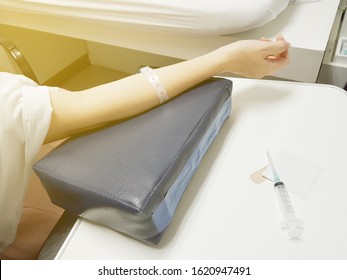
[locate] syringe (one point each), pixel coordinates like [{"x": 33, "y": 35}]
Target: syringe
[{"x": 290, "y": 222}]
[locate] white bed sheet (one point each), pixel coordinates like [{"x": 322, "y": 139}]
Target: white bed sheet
[{"x": 207, "y": 17}]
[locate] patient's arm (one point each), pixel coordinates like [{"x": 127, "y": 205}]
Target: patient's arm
[{"x": 79, "y": 111}]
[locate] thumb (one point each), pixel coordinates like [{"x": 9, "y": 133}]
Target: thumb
[
  {"x": 278, "y": 47},
  {"x": 277, "y": 51}
]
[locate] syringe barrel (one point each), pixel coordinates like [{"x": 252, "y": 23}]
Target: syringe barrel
[
  {"x": 290, "y": 221},
  {"x": 284, "y": 201}
]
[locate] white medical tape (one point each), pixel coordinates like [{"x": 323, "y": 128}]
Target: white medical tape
[{"x": 156, "y": 83}]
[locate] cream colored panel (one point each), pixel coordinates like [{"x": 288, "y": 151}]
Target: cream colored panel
[
  {"x": 125, "y": 60},
  {"x": 47, "y": 54}
]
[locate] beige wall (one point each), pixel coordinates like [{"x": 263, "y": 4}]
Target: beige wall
[
  {"x": 124, "y": 60},
  {"x": 47, "y": 54}
]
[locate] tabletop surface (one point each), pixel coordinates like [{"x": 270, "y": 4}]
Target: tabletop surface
[{"x": 226, "y": 211}]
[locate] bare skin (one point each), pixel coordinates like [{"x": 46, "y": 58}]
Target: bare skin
[{"x": 75, "y": 112}]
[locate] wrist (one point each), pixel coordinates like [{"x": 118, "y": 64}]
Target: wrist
[{"x": 223, "y": 59}]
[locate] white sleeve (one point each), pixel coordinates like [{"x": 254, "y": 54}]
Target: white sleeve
[{"x": 25, "y": 116}]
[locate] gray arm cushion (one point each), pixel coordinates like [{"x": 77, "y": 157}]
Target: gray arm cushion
[{"x": 131, "y": 176}]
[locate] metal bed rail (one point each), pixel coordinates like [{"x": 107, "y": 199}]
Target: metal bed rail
[{"x": 18, "y": 57}]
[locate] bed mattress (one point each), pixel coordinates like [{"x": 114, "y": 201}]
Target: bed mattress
[{"x": 205, "y": 17}]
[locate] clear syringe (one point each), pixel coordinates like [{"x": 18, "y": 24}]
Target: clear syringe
[{"x": 290, "y": 222}]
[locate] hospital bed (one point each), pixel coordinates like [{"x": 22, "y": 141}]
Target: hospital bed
[{"x": 195, "y": 27}]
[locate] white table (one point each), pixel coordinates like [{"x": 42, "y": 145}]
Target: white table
[{"x": 226, "y": 215}]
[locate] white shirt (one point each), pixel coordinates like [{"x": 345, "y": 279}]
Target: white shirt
[{"x": 25, "y": 114}]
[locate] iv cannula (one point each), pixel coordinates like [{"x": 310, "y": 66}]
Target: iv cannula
[{"x": 289, "y": 221}]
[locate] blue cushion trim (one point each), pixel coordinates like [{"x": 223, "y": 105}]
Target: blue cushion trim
[{"x": 165, "y": 211}]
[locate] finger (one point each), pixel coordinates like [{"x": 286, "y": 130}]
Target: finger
[
  {"x": 280, "y": 38},
  {"x": 272, "y": 57},
  {"x": 265, "y": 39},
  {"x": 279, "y": 53},
  {"x": 277, "y": 62},
  {"x": 278, "y": 48}
]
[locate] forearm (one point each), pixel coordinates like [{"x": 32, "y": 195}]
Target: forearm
[
  {"x": 79, "y": 111},
  {"x": 76, "y": 112}
]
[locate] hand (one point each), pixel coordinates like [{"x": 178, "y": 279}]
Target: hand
[{"x": 255, "y": 58}]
